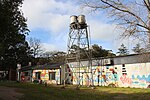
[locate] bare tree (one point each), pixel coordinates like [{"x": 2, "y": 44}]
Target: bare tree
[
  {"x": 35, "y": 46},
  {"x": 133, "y": 16}
]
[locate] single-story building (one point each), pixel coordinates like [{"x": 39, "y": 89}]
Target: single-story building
[
  {"x": 122, "y": 71},
  {"x": 49, "y": 73}
]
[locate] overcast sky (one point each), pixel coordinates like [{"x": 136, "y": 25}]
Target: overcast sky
[{"x": 48, "y": 20}]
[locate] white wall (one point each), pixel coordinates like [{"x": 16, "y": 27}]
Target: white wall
[{"x": 131, "y": 75}]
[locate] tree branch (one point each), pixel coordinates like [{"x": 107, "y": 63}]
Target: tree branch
[{"x": 127, "y": 11}]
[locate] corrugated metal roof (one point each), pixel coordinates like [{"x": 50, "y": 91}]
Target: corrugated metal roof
[
  {"x": 128, "y": 59},
  {"x": 46, "y": 66}
]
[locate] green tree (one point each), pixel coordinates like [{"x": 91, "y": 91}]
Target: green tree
[
  {"x": 95, "y": 51},
  {"x": 52, "y": 57},
  {"x": 98, "y": 51},
  {"x": 138, "y": 49},
  {"x": 59, "y": 56},
  {"x": 123, "y": 50},
  {"x": 13, "y": 28}
]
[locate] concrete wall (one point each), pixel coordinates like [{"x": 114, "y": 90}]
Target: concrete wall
[
  {"x": 66, "y": 75},
  {"x": 137, "y": 75},
  {"x": 122, "y": 75},
  {"x": 45, "y": 76}
]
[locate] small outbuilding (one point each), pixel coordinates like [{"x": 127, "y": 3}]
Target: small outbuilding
[{"x": 49, "y": 73}]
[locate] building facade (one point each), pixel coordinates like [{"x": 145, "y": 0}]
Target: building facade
[
  {"x": 126, "y": 71},
  {"x": 123, "y": 71},
  {"x": 50, "y": 74}
]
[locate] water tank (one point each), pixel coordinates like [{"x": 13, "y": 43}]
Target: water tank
[
  {"x": 81, "y": 19},
  {"x": 73, "y": 19}
]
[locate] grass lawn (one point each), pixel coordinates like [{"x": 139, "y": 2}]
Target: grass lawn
[{"x": 55, "y": 92}]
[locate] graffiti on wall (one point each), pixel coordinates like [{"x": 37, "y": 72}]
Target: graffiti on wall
[
  {"x": 105, "y": 75},
  {"x": 102, "y": 75},
  {"x": 125, "y": 79},
  {"x": 141, "y": 80},
  {"x": 84, "y": 78},
  {"x": 44, "y": 75}
]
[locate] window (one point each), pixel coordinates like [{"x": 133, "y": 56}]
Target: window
[
  {"x": 38, "y": 75},
  {"x": 123, "y": 65},
  {"x": 26, "y": 74},
  {"x": 52, "y": 76}
]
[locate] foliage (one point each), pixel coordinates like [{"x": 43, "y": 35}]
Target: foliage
[
  {"x": 58, "y": 57},
  {"x": 13, "y": 28},
  {"x": 82, "y": 51},
  {"x": 95, "y": 51},
  {"x": 123, "y": 50},
  {"x": 98, "y": 51},
  {"x": 51, "y": 57},
  {"x": 138, "y": 49}
]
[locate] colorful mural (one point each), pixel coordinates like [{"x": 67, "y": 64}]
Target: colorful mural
[
  {"x": 44, "y": 76},
  {"x": 140, "y": 80},
  {"x": 102, "y": 75},
  {"x": 124, "y": 75},
  {"x": 125, "y": 79},
  {"x": 118, "y": 75}
]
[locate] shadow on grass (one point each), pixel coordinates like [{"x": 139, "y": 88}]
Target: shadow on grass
[{"x": 55, "y": 92}]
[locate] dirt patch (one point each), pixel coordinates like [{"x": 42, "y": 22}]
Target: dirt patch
[{"x": 8, "y": 93}]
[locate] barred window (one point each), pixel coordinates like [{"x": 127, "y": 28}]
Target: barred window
[{"x": 52, "y": 75}]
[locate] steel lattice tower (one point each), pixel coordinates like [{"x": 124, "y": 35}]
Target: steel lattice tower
[{"x": 78, "y": 44}]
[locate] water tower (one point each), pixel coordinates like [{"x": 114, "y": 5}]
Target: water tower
[{"x": 79, "y": 45}]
